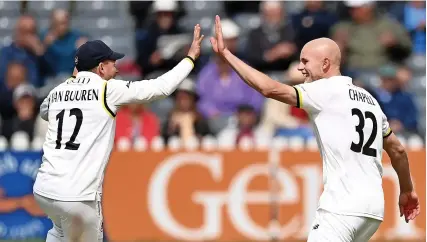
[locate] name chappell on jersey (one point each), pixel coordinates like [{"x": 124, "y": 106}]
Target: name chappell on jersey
[
  {"x": 360, "y": 96},
  {"x": 74, "y": 95}
]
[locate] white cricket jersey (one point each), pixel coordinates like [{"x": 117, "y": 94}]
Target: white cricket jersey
[
  {"x": 81, "y": 129},
  {"x": 349, "y": 126}
]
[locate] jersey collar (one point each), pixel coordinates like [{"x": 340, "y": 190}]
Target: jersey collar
[
  {"x": 345, "y": 79},
  {"x": 88, "y": 74}
]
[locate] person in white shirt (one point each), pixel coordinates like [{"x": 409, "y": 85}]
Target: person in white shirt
[
  {"x": 81, "y": 127},
  {"x": 351, "y": 132}
]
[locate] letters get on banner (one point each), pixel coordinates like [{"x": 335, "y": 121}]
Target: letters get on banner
[
  {"x": 227, "y": 196},
  {"x": 20, "y": 216}
]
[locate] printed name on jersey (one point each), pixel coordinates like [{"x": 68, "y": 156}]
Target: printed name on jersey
[
  {"x": 73, "y": 96},
  {"x": 360, "y": 96}
]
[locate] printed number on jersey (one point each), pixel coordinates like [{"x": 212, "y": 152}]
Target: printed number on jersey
[
  {"x": 361, "y": 147},
  {"x": 69, "y": 145}
]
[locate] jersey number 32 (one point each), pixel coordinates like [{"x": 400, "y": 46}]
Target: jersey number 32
[{"x": 359, "y": 147}]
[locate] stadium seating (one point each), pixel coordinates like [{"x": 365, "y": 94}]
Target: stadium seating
[
  {"x": 99, "y": 8},
  {"x": 6, "y": 29},
  {"x": 10, "y": 8},
  {"x": 44, "y": 8}
]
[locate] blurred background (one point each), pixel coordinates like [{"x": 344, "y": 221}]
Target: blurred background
[{"x": 383, "y": 46}]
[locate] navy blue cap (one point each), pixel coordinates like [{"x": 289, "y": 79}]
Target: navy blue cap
[{"x": 91, "y": 53}]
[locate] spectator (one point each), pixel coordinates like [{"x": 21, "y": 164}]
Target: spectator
[
  {"x": 220, "y": 88},
  {"x": 61, "y": 43},
  {"x": 26, "y": 48},
  {"x": 271, "y": 46},
  {"x": 396, "y": 103},
  {"x": 404, "y": 75},
  {"x": 184, "y": 120},
  {"x": 312, "y": 23},
  {"x": 368, "y": 40},
  {"x": 24, "y": 101},
  {"x": 149, "y": 57},
  {"x": 140, "y": 10},
  {"x": 247, "y": 120},
  {"x": 16, "y": 74},
  {"x": 280, "y": 119},
  {"x": 413, "y": 16},
  {"x": 134, "y": 121}
]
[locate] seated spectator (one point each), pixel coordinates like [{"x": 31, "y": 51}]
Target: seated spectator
[
  {"x": 281, "y": 119},
  {"x": 61, "y": 43},
  {"x": 134, "y": 121},
  {"x": 313, "y": 22},
  {"x": 140, "y": 11},
  {"x": 246, "y": 126},
  {"x": 413, "y": 16},
  {"x": 16, "y": 74},
  {"x": 271, "y": 46},
  {"x": 184, "y": 120},
  {"x": 26, "y": 48},
  {"x": 220, "y": 88},
  {"x": 404, "y": 75},
  {"x": 149, "y": 56},
  {"x": 396, "y": 103},
  {"x": 24, "y": 102},
  {"x": 369, "y": 40}
]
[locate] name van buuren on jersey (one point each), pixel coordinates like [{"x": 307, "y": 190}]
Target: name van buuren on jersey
[
  {"x": 76, "y": 95},
  {"x": 360, "y": 96}
]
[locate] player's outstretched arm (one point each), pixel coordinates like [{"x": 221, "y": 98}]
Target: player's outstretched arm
[
  {"x": 123, "y": 92},
  {"x": 408, "y": 200},
  {"x": 256, "y": 79}
]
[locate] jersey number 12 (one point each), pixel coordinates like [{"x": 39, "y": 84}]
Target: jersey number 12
[
  {"x": 70, "y": 145},
  {"x": 359, "y": 147}
]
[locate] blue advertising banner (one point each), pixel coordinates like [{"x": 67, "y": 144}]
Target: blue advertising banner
[{"x": 20, "y": 216}]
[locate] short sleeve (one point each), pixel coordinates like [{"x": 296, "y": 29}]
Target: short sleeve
[
  {"x": 385, "y": 127},
  {"x": 44, "y": 109},
  {"x": 311, "y": 96}
]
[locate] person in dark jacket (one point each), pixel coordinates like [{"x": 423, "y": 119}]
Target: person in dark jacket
[
  {"x": 313, "y": 22},
  {"x": 397, "y": 104},
  {"x": 149, "y": 57},
  {"x": 271, "y": 46}
]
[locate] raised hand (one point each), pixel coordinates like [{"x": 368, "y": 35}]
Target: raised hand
[
  {"x": 218, "y": 41},
  {"x": 195, "y": 48},
  {"x": 409, "y": 205}
]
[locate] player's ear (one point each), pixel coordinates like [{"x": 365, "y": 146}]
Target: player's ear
[
  {"x": 101, "y": 67},
  {"x": 326, "y": 65}
]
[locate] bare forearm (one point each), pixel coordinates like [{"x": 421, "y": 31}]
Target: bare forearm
[
  {"x": 256, "y": 79},
  {"x": 399, "y": 161}
]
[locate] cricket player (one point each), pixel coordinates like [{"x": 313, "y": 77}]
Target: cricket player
[
  {"x": 81, "y": 126},
  {"x": 351, "y": 132}
]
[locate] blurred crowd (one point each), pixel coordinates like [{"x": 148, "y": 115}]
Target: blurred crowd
[{"x": 377, "y": 40}]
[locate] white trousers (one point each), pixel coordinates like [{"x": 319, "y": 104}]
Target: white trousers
[
  {"x": 333, "y": 227},
  {"x": 73, "y": 221}
]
